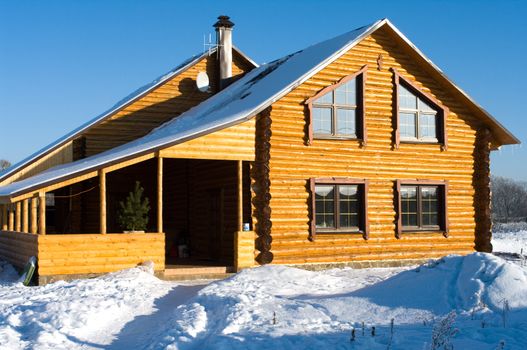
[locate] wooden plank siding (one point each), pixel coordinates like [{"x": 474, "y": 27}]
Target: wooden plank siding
[
  {"x": 293, "y": 162},
  {"x": 233, "y": 143},
  {"x": 96, "y": 253},
  {"x": 17, "y": 247}
]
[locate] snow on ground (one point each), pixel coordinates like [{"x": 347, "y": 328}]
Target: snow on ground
[
  {"x": 275, "y": 307},
  {"x": 510, "y": 238}
]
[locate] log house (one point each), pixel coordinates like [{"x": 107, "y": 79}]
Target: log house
[{"x": 357, "y": 150}]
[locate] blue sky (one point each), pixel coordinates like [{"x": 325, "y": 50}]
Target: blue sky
[{"x": 64, "y": 62}]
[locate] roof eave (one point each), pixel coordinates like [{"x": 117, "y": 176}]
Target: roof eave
[{"x": 500, "y": 132}]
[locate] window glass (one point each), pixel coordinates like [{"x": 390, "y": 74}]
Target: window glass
[
  {"x": 407, "y": 125},
  {"x": 425, "y": 107},
  {"x": 322, "y": 120},
  {"x": 335, "y": 112},
  {"x": 409, "y": 205},
  {"x": 324, "y": 206},
  {"x": 430, "y": 206},
  {"x": 325, "y": 99},
  {"x": 346, "y": 94},
  {"x": 407, "y": 100},
  {"x": 417, "y": 117},
  {"x": 427, "y": 126},
  {"x": 345, "y": 121},
  {"x": 348, "y": 206}
]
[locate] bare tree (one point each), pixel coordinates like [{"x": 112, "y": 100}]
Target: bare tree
[
  {"x": 509, "y": 199},
  {"x": 4, "y": 164}
]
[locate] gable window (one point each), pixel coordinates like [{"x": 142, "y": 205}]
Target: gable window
[
  {"x": 419, "y": 116},
  {"x": 338, "y": 110},
  {"x": 422, "y": 206},
  {"x": 338, "y": 206}
]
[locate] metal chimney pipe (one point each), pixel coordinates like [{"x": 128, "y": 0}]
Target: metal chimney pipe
[{"x": 224, "y": 42}]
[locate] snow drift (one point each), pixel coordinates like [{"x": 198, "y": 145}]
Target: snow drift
[{"x": 274, "y": 307}]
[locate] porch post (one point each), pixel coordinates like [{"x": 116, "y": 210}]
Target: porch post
[
  {"x": 18, "y": 216},
  {"x": 42, "y": 213},
  {"x": 4, "y": 217},
  {"x": 159, "y": 194},
  {"x": 25, "y": 216},
  {"x": 34, "y": 215},
  {"x": 240, "y": 195},
  {"x": 11, "y": 226},
  {"x": 102, "y": 201}
]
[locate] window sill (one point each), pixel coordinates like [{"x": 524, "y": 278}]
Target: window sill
[
  {"x": 416, "y": 141},
  {"x": 424, "y": 231},
  {"x": 332, "y": 137},
  {"x": 323, "y": 232}
]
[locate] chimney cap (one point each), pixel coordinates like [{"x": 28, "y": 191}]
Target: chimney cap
[{"x": 223, "y": 21}]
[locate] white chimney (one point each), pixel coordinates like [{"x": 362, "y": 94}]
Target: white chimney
[{"x": 224, "y": 42}]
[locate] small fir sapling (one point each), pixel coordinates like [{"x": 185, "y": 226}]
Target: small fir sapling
[{"x": 133, "y": 212}]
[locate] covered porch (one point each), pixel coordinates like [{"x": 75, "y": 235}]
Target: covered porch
[{"x": 199, "y": 208}]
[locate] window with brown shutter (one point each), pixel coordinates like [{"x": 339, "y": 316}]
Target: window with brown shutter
[
  {"x": 337, "y": 111},
  {"x": 421, "y": 206},
  {"x": 338, "y": 205},
  {"x": 419, "y": 117}
]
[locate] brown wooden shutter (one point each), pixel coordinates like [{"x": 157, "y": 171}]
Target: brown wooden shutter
[
  {"x": 309, "y": 123},
  {"x": 362, "y": 116},
  {"x": 395, "y": 101},
  {"x": 445, "y": 209},
  {"x": 398, "y": 215},
  {"x": 312, "y": 231},
  {"x": 442, "y": 128},
  {"x": 366, "y": 222}
]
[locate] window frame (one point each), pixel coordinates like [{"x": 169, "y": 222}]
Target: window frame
[
  {"x": 441, "y": 115},
  {"x": 443, "y": 226},
  {"x": 363, "y": 215},
  {"x": 360, "y": 111}
]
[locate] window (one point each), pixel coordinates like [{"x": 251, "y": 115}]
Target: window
[
  {"x": 419, "y": 116},
  {"x": 339, "y": 206},
  {"x": 422, "y": 206},
  {"x": 338, "y": 110}
]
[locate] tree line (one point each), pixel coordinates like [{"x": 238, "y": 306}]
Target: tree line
[{"x": 509, "y": 199}]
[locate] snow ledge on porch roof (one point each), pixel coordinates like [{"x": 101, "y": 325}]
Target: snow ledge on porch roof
[{"x": 241, "y": 101}]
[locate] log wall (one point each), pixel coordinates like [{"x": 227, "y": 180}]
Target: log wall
[
  {"x": 97, "y": 253},
  {"x": 293, "y": 162},
  {"x": 165, "y": 102},
  {"x": 17, "y": 247}
]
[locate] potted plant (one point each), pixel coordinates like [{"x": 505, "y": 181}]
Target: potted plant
[{"x": 133, "y": 212}]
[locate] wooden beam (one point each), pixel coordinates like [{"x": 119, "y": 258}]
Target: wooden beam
[
  {"x": 34, "y": 215},
  {"x": 159, "y": 194},
  {"x": 240, "y": 195},
  {"x": 102, "y": 201},
  {"x": 18, "y": 217},
  {"x": 42, "y": 213},
  {"x": 11, "y": 226},
  {"x": 25, "y": 215}
]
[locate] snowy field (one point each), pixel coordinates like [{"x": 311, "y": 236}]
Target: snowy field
[{"x": 277, "y": 307}]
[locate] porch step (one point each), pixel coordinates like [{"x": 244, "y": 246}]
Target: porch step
[{"x": 185, "y": 272}]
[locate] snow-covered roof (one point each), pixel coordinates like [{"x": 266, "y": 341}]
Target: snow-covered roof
[
  {"x": 125, "y": 101},
  {"x": 238, "y": 102}
]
